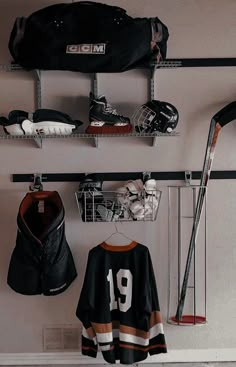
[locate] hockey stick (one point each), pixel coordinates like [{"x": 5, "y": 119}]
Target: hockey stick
[{"x": 219, "y": 120}]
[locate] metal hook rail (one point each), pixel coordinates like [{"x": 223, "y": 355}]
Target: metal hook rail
[{"x": 186, "y": 176}]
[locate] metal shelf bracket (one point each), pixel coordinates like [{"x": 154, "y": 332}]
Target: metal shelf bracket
[
  {"x": 152, "y": 83},
  {"x": 38, "y": 142}
]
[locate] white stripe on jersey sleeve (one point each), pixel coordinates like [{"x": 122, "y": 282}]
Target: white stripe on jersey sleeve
[
  {"x": 104, "y": 337},
  {"x": 155, "y": 330}
]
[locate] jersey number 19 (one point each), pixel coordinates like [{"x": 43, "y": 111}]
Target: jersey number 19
[{"x": 123, "y": 276}]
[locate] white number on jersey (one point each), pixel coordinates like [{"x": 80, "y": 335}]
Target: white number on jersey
[{"x": 125, "y": 290}]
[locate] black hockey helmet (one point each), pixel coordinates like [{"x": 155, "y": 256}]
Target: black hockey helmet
[{"x": 155, "y": 116}]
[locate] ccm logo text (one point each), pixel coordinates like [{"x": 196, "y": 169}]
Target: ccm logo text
[{"x": 87, "y": 49}]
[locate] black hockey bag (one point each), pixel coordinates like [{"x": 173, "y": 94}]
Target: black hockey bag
[{"x": 87, "y": 36}]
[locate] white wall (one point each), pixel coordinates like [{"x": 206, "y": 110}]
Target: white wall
[{"x": 198, "y": 28}]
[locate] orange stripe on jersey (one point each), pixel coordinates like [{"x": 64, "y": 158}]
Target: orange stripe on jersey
[
  {"x": 155, "y": 318},
  {"x": 102, "y": 328},
  {"x": 143, "y": 349},
  {"x": 105, "y": 328},
  {"x": 89, "y": 348},
  {"x": 156, "y": 346},
  {"x": 133, "y": 331}
]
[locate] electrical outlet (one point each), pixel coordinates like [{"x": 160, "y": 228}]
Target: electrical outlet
[{"x": 61, "y": 338}]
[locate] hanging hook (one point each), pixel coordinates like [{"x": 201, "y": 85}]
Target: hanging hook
[
  {"x": 188, "y": 178},
  {"x": 37, "y": 183},
  {"x": 146, "y": 176}
]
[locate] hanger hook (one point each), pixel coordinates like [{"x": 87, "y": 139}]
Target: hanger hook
[{"x": 37, "y": 183}]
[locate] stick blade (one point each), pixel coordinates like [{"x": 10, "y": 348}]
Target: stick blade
[{"x": 226, "y": 114}]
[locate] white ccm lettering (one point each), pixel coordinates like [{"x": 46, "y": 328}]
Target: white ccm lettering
[
  {"x": 99, "y": 49},
  {"x": 87, "y": 49}
]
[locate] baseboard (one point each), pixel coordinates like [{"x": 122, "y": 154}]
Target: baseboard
[{"x": 173, "y": 356}]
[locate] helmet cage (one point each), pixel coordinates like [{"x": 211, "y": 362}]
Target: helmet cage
[{"x": 143, "y": 118}]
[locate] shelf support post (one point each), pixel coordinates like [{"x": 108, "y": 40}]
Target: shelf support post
[
  {"x": 95, "y": 85},
  {"x": 38, "y": 141},
  {"x": 152, "y": 83},
  {"x": 39, "y": 88}
]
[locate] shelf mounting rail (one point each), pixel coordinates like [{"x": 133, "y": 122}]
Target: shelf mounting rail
[{"x": 123, "y": 176}]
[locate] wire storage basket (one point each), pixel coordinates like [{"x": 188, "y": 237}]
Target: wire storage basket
[{"x": 119, "y": 205}]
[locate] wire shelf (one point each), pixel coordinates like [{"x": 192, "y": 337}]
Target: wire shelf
[
  {"x": 114, "y": 206},
  {"x": 162, "y": 64},
  {"x": 168, "y": 63},
  {"x": 83, "y": 135}
]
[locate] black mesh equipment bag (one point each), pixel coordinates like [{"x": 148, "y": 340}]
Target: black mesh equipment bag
[{"x": 87, "y": 36}]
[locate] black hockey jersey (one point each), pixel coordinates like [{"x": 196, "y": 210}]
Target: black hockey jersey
[{"x": 119, "y": 306}]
